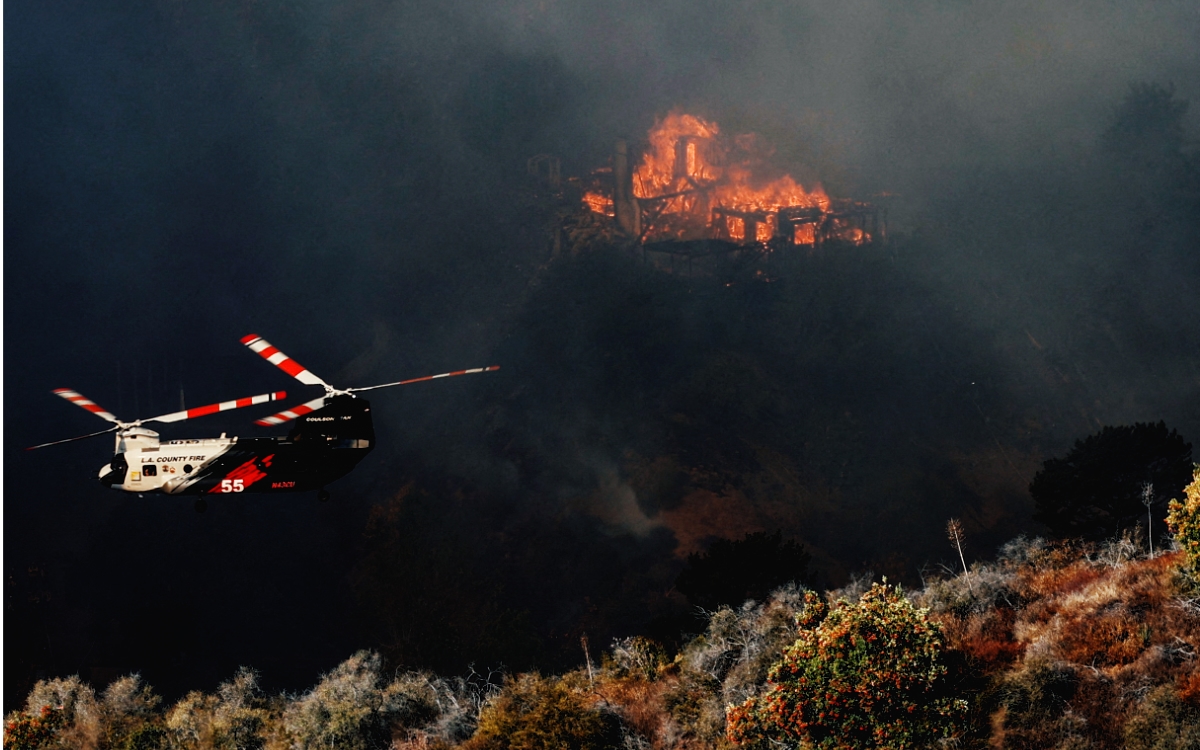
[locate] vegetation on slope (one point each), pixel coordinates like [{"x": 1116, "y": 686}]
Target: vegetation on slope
[{"x": 1065, "y": 645}]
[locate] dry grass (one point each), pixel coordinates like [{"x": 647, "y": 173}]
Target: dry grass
[{"x": 1072, "y": 640}]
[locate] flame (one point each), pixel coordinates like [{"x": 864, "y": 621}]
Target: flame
[
  {"x": 693, "y": 183},
  {"x": 692, "y": 174},
  {"x": 599, "y": 203}
]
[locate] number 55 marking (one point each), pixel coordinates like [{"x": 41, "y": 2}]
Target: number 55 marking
[{"x": 232, "y": 485}]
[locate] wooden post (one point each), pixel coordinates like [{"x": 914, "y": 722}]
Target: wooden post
[{"x": 625, "y": 204}]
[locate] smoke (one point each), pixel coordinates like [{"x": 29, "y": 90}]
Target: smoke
[{"x": 340, "y": 178}]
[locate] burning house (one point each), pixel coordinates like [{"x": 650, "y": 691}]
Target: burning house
[{"x": 696, "y": 192}]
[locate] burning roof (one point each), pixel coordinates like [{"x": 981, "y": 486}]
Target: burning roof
[{"x": 693, "y": 183}]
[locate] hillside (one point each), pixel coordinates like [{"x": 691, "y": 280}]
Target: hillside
[{"x": 1051, "y": 646}]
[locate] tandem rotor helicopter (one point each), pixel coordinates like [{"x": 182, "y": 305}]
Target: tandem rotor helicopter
[{"x": 331, "y": 435}]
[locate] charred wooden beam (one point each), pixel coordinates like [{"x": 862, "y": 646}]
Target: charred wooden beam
[{"x": 625, "y": 203}]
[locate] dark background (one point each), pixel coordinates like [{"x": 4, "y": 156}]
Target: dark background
[{"x": 348, "y": 182}]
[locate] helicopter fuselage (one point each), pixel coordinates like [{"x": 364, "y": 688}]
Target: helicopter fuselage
[{"x": 323, "y": 446}]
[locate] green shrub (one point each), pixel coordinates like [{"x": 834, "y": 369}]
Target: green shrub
[
  {"x": 866, "y": 675},
  {"x": 24, "y": 731},
  {"x": 541, "y": 713},
  {"x": 1183, "y": 518},
  {"x": 1163, "y": 722}
]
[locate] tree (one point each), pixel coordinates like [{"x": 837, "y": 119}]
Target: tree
[
  {"x": 1096, "y": 490},
  {"x": 733, "y": 571},
  {"x": 861, "y": 675}
]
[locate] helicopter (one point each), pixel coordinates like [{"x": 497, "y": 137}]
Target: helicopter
[{"x": 330, "y": 436}]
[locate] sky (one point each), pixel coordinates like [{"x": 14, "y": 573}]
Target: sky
[{"x": 340, "y": 179}]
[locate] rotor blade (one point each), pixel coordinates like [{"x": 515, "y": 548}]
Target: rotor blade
[
  {"x": 114, "y": 428},
  {"x": 493, "y": 368},
  {"x": 201, "y": 411},
  {"x": 292, "y": 413},
  {"x": 85, "y": 403},
  {"x": 264, "y": 349}
]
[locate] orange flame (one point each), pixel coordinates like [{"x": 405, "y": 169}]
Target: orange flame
[
  {"x": 688, "y": 174},
  {"x": 693, "y": 183}
]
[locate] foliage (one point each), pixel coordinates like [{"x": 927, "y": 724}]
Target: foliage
[
  {"x": 1063, "y": 645},
  {"x": 233, "y": 719},
  {"x": 543, "y": 713},
  {"x": 80, "y": 721},
  {"x": 23, "y": 731},
  {"x": 1163, "y": 722},
  {"x": 730, "y": 660},
  {"x": 731, "y": 572},
  {"x": 129, "y": 716},
  {"x": 868, "y": 674},
  {"x": 1095, "y": 491},
  {"x": 637, "y": 656},
  {"x": 1183, "y": 518},
  {"x": 353, "y": 709}
]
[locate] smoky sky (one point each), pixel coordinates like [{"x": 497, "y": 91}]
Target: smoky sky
[{"x": 339, "y": 178}]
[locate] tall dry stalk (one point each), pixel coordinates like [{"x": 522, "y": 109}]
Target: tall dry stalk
[
  {"x": 1148, "y": 500},
  {"x": 954, "y": 530}
]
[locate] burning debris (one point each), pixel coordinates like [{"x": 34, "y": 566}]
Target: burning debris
[{"x": 695, "y": 186}]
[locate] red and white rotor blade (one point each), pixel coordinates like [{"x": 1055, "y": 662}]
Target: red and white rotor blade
[
  {"x": 264, "y": 349},
  {"x": 492, "y": 368},
  {"x": 200, "y": 411},
  {"x": 292, "y": 413},
  {"x": 84, "y": 403}
]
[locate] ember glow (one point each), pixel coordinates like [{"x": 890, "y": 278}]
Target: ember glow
[{"x": 694, "y": 183}]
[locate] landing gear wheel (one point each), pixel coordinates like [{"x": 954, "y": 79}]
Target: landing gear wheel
[
  {"x": 323, "y": 495},
  {"x": 201, "y": 505}
]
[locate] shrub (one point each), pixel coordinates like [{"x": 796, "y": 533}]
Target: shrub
[
  {"x": 1095, "y": 491},
  {"x": 637, "y": 657},
  {"x": 352, "y": 709},
  {"x": 730, "y": 660},
  {"x": 233, "y": 719},
  {"x": 128, "y": 710},
  {"x": 533, "y": 712},
  {"x": 1036, "y": 694},
  {"x": 1183, "y": 518},
  {"x": 65, "y": 713},
  {"x": 868, "y": 674},
  {"x": 24, "y": 731},
  {"x": 1163, "y": 722},
  {"x": 78, "y": 721}
]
